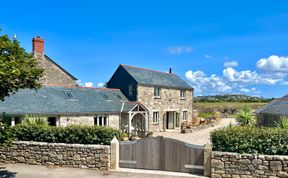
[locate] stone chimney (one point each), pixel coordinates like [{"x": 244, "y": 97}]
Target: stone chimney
[
  {"x": 38, "y": 45},
  {"x": 170, "y": 70}
]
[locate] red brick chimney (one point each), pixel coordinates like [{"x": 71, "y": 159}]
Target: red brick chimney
[{"x": 38, "y": 45}]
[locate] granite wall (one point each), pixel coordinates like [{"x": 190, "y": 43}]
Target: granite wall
[
  {"x": 236, "y": 165},
  {"x": 58, "y": 154}
]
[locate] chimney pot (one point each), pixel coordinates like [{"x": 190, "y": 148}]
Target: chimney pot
[
  {"x": 170, "y": 70},
  {"x": 38, "y": 45}
]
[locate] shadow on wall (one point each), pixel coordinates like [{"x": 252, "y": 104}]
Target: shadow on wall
[{"x": 7, "y": 174}]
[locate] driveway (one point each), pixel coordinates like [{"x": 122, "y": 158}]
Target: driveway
[
  {"x": 32, "y": 171},
  {"x": 200, "y": 137}
]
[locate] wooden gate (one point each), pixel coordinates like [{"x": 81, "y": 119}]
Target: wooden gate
[{"x": 161, "y": 153}]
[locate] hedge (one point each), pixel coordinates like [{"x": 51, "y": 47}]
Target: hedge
[
  {"x": 69, "y": 134},
  {"x": 271, "y": 141}
]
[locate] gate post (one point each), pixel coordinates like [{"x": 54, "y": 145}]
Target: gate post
[
  {"x": 114, "y": 150},
  {"x": 207, "y": 160}
]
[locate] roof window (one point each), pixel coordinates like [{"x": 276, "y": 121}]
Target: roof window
[{"x": 68, "y": 94}]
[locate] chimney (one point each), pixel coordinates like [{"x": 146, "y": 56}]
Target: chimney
[
  {"x": 170, "y": 70},
  {"x": 38, "y": 45}
]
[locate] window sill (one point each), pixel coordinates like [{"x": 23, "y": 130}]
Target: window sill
[
  {"x": 155, "y": 123},
  {"x": 182, "y": 98},
  {"x": 157, "y": 97}
]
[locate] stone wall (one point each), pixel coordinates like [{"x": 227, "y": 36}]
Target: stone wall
[
  {"x": 169, "y": 101},
  {"x": 236, "y": 165},
  {"x": 53, "y": 74},
  {"x": 58, "y": 154}
]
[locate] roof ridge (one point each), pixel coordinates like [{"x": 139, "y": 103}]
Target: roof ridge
[
  {"x": 152, "y": 70},
  {"x": 66, "y": 86}
]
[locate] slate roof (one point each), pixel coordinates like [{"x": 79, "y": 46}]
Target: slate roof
[
  {"x": 277, "y": 107},
  {"x": 55, "y": 100},
  {"x": 156, "y": 78}
]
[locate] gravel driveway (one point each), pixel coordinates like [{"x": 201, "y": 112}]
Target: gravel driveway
[{"x": 200, "y": 137}]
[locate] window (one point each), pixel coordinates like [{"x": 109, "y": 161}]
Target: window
[
  {"x": 52, "y": 121},
  {"x": 157, "y": 91},
  {"x": 177, "y": 120},
  {"x": 101, "y": 121},
  {"x": 105, "y": 96},
  {"x": 185, "y": 116},
  {"x": 155, "y": 117},
  {"x": 68, "y": 94},
  {"x": 130, "y": 89},
  {"x": 182, "y": 94}
]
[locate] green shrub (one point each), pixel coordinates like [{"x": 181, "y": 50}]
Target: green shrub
[
  {"x": 69, "y": 134},
  {"x": 246, "y": 139},
  {"x": 34, "y": 120},
  {"x": 205, "y": 115},
  {"x": 246, "y": 116},
  {"x": 283, "y": 123}
]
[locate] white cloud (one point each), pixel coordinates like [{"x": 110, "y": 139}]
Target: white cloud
[
  {"x": 88, "y": 84},
  {"x": 100, "y": 85},
  {"x": 232, "y": 80},
  {"x": 231, "y": 64},
  {"x": 207, "y": 56},
  {"x": 273, "y": 63},
  {"x": 180, "y": 49}
]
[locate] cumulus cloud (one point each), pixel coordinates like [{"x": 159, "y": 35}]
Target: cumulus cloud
[
  {"x": 100, "y": 85},
  {"x": 207, "y": 56},
  {"x": 88, "y": 84},
  {"x": 180, "y": 49},
  {"x": 231, "y": 64},
  {"x": 273, "y": 63},
  {"x": 232, "y": 80}
]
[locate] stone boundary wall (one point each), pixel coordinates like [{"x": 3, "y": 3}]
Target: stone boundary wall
[
  {"x": 235, "y": 165},
  {"x": 58, "y": 154}
]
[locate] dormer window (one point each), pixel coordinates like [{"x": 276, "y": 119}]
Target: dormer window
[
  {"x": 182, "y": 94},
  {"x": 157, "y": 92}
]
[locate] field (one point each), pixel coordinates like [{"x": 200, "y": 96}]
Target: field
[{"x": 230, "y": 108}]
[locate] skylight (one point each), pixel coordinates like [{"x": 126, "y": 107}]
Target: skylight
[
  {"x": 106, "y": 97},
  {"x": 68, "y": 94}
]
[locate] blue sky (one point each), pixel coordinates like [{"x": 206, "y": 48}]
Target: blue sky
[{"x": 216, "y": 46}]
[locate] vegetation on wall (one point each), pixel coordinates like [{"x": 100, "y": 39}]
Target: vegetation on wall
[
  {"x": 246, "y": 139},
  {"x": 71, "y": 134}
]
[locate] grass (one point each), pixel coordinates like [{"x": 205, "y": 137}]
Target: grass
[{"x": 209, "y": 107}]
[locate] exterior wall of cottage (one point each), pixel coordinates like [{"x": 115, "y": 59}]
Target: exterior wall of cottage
[
  {"x": 169, "y": 101},
  {"x": 113, "y": 120},
  {"x": 53, "y": 75},
  {"x": 267, "y": 120}
]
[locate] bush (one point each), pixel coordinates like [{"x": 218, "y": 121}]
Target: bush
[
  {"x": 69, "y": 134},
  {"x": 34, "y": 120},
  {"x": 246, "y": 116},
  {"x": 283, "y": 123},
  {"x": 246, "y": 139}
]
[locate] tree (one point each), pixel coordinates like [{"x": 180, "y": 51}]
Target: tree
[{"x": 18, "y": 69}]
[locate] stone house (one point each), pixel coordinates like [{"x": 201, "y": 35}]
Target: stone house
[
  {"x": 135, "y": 101},
  {"x": 64, "y": 106},
  {"x": 167, "y": 97},
  {"x": 272, "y": 112},
  {"x": 54, "y": 74}
]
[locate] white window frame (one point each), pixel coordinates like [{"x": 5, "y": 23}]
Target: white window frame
[
  {"x": 182, "y": 94},
  {"x": 185, "y": 116},
  {"x": 102, "y": 118},
  {"x": 155, "y": 120},
  {"x": 157, "y": 92}
]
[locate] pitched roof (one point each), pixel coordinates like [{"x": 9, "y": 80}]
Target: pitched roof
[
  {"x": 58, "y": 100},
  {"x": 61, "y": 68},
  {"x": 156, "y": 78},
  {"x": 277, "y": 107}
]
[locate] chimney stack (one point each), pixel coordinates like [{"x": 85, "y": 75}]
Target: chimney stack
[
  {"x": 170, "y": 70},
  {"x": 38, "y": 45}
]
